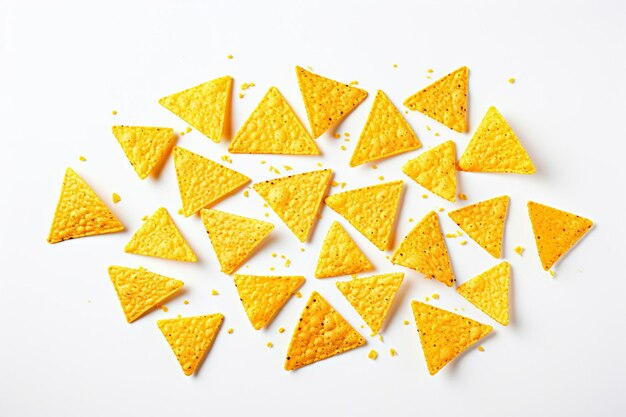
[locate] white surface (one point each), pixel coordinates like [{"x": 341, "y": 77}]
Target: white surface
[{"x": 65, "y": 348}]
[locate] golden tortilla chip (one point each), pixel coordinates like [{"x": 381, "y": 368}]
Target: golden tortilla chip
[
  {"x": 371, "y": 297},
  {"x": 320, "y": 334},
  {"x": 202, "y": 182},
  {"x": 435, "y": 170},
  {"x": 158, "y": 236},
  {"x": 296, "y": 198},
  {"x": 233, "y": 237},
  {"x": 264, "y": 296},
  {"x": 327, "y": 101},
  {"x": 495, "y": 148},
  {"x": 445, "y": 100},
  {"x": 444, "y": 335},
  {"x": 555, "y": 231},
  {"x": 386, "y": 133},
  {"x": 484, "y": 222},
  {"x": 489, "y": 292},
  {"x": 80, "y": 212},
  {"x": 340, "y": 255},
  {"x": 273, "y": 128},
  {"x": 140, "y": 290},
  {"x": 371, "y": 210},
  {"x": 425, "y": 251},
  {"x": 191, "y": 338},
  {"x": 205, "y": 107},
  {"x": 145, "y": 147}
]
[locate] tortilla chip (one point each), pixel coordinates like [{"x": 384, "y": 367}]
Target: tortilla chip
[
  {"x": 264, "y": 296},
  {"x": 371, "y": 297},
  {"x": 320, "y": 334},
  {"x": 386, "y": 133},
  {"x": 484, "y": 222},
  {"x": 233, "y": 237},
  {"x": 273, "y": 128},
  {"x": 435, "y": 170},
  {"x": 340, "y": 255},
  {"x": 445, "y": 100},
  {"x": 206, "y": 107},
  {"x": 202, "y": 182},
  {"x": 296, "y": 198},
  {"x": 425, "y": 251},
  {"x": 145, "y": 147},
  {"x": 80, "y": 212},
  {"x": 371, "y": 210},
  {"x": 327, "y": 101},
  {"x": 140, "y": 290},
  {"x": 158, "y": 236},
  {"x": 444, "y": 335},
  {"x": 489, "y": 292},
  {"x": 495, "y": 148},
  {"x": 555, "y": 231},
  {"x": 191, "y": 338}
]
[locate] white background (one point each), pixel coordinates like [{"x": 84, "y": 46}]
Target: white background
[{"x": 65, "y": 348}]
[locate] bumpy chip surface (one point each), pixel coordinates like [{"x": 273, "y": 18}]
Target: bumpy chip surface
[
  {"x": 144, "y": 146},
  {"x": 489, "y": 292},
  {"x": 435, "y": 170},
  {"x": 340, "y": 255}
]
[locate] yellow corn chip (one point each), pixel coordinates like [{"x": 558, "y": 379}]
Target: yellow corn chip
[
  {"x": 386, "y": 133},
  {"x": 340, "y": 255},
  {"x": 484, "y": 222},
  {"x": 326, "y": 101},
  {"x": 320, "y": 334},
  {"x": 273, "y": 128},
  {"x": 144, "y": 147},
  {"x": 435, "y": 170},
  {"x": 371, "y": 210},
  {"x": 202, "y": 182},
  {"x": 495, "y": 148},
  {"x": 191, "y": 338},
  {"x": 233, "y": 237},
  {"x": 296, "y": 198},
  {"x": 489, "y": 292},
  {"x": 425, "y": 251},
  {"x": 445, "y": 100},
  {"x": 371, "y": 297},
  {"x": 444, "y": 335},
  {"x": 140, "y": 290},
  {"x": 158, "y": 236},
  {"x": 206, "y": 107},
  {"x": 555, "y": 231},
  {"x": 263, "y": 296},
  {"x": 80, "y": 212}
]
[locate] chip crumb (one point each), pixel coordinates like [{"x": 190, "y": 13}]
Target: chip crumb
[
  {"x": 343, "y": 148},
  {"x": 346, "y": 134},
  {"x": 381, "y": 178},
  {"x": 406, "y": 322},
  {"x": 270, "y": 345},
  {"x": 262, "y": 162},
  {"x": 435, "y": 296},
  {"x": 227, "y": 158},
  {"x": 180, "y": 211},
  {"x": 114, "y": 112},
  {"x": 319, "y": 164},
  {"x": 462, "y": 196},
  {"x": 511, "y": 80},
  {"x": 334, "y": 183},
  {"x": 427, "y": 299},
  {"x": 337, "y": 135},
  {"x": 116, "y": 198},
  {"x": 395, "y": 65},
  {"x": 441, "y": 209},
  {"x": 410, "y": 219},
  {"x": 436, "y": 133},
  {"x": 287, "y": 168},
  {"x": 519, "y": 250},
  {"x": 186, "y": 302},
  {"x": 481, "y": 349},
  {"x": 246, "y": 193},
  {"x": 214, "y": 292},
  {"x": 463, "y": 242},
  {"x": 354, "y": 82},
  {"x": 299, "y": 294},
  {"x": 274, "y": 254},
  {"x": 182, "y": 133},
  {"x": 82, "y": 158},
  {"x": 287, "y": 263},
  {"x": 343, "y": 184},
  {"x": 179, "y": 316},
  {"x": 229, "y": 56},
  {"x": 283, "y": 256},
  {"x": 281, "y": 330},
  {"x": 301, "y": 249},
  {"x": 374, "y": 166},
  {"x": 267, "y": 214},
  {"x": 552, "y": 273},
  {"x": 165, "y": 309},
  {"x": 450, "y": 235},
  {"x": 144, "y": 218},
  {"x": 380, "y": 337},
  {"x": 427, "y": 127},
  {"x": 272, "y": 268},
  {"x": 430, "y": 70},
  {"x": 372, "y": 355},
  {"x": 245, "y": 86},
  {"x": 424, "y": 195},
  {"x": 188, "y": 130},
  {"x": 392, "y": 352},
  {"x": 231, "y": 330}
]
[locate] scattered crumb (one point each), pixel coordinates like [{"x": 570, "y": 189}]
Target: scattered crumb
[
  {"x": 427, "y": 127},
  {"x": 319, "y": 164},
  {"x": 179, "y": 316},
  {"x": 337, "y": 135},
  {"x": 393, "y": 352},
  {"x": 299, "y": 294},
  {"x": 165, "y": 309},
  {"x": 519, "y": 250},
  {"x": 362, "y": 326},
  {"x": 310, "y": 68},
  {"x": 410, "y": 219},
  {"x": 435, "y": 296},
  {"x": 424, "y": 195},
  {"x": 301, "y": 249},
  {"x": 144, "y": 218},
  {"x": 241, "y": 95},
  {"x": 229, "y": 56},
  {"x": 334, "y": 184},
  {"x": 395, "y": 65},
  {"x": 272, "y": 268},
  {"x": 459, "y": 233},
  {"x": 262, "y": 162},
  {"x": 188, "y": 130},
  {"x": 270, "y": 345},
  {"x": 381, "y": 178},
  {"x": 346, "y": 134},
  {"x": 481, "y": 349},
  {"x": 180, "y": 211},
  {"x": 463, "y": 242},
  {"x": 116, "y": 198},
  {"x": 274, "y": 255},
  {"x": 287, "y": 263},
  {"x": 186, "y": 302},
  {"x": 462, "y": 196},
  {"x": 372, "y": 355},
  {"x": 245, "y": 86},
  {"x": 282, "y": 256},
  {"x": 430, "y": 70},
  {"x": 227, "y": 158},
  {"x": 427, "y": 299},
  {"x": 346, "y": 140},
  {"x": 380, "y": 337},
  {"x": 214, "y": 292},
  {"x": 231, "y": 330},
  {"x": 354, "y": 82},
  {"x": 343, "y": 184},
  {"x": 246, "y": 193},
  {"x": 511, "y": 80},
  {"x": 451, "y": 235},
  {"x": 82, "y": 158},
  {"x": 440, "y": 209},
  {"x": 406, "y": 322},
  {"x": 287, "y": 168},
  {"x": 374, "y": 166},
  {"x": 436, "y": 133},
  {"x": 281, "y": 330},
  {"x": 552, "y": 273},
  {"x": 267, "y": 214},
  {"x": 343, "y": 148},
  {"x": 114, "y": 112}
]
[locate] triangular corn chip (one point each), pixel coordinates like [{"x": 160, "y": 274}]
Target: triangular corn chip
[
  {"x": 340, "y": 255},
  {"x": 435, "y": 170},
  {"x": 489, "y": 292},
  {"x": 144, "y": 146}
]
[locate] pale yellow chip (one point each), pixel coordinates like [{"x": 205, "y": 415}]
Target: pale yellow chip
[
  {"x": 484, "y": 222},
  {"x": 435, "y": 170},
  {"x": 444, "y": 335},
  {"x": 371, "y": 210},
  {"x": 424, "y": 250},
  {"x": 80, "y": 212},
  {"x": 206, "y": 107},
  {"x": 140, "y": 290},
  {"x": 158, "y": 236},
  {"x": 327, "y": 101},
  {"x": 273, "y": 128},
  {"x": 340, "y": 255},
  {"x": 296, "y": 199},
  {"x": 264, "y": 296},
  {"x": 191, "y": 338},
  {"x": 320, "y": 333},
  {"x": 495, "y": 148},
  {"x": 145, "y": 147},
  {"x": 445, "y": 100},
  {"x": 489, "y": 292},
  {"x": 202, "y": 182},
  {"x": 372, "y": 297},
  {"x": 386, "y": 133},
  {"x": 233, "y": 237},
  {"x": 555, "y": 231}
]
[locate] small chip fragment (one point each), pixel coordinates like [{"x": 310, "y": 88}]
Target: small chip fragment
[
  {"x": 281, "y": 330},
  {"x": 214, "y": 292},
  {"x": 270, "y": 345},
  {"x": 82, "y": 158},
  {"x": 373, "y": 355},
  {"x": 519, "y": 250},
  {"x": 481, "y": 349},
  {"x": 145, "y": 147},
  {"x": 435, "y": 170},
  {"x": 393, "y": 352},
  {"x": 489, "y": 292},
  {"x": 340, "y": 255},
  {"x": 116, "y": 198}
]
